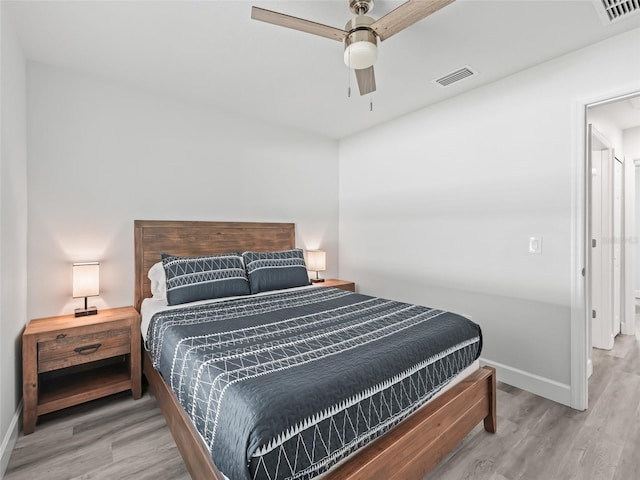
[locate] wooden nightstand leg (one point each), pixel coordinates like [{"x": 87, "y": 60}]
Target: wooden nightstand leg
[
  {"x": 28, "y": 419},
  {"x": 29, "y": 385},
  {"x": 136, "y": 362},
  {"x": 136, "y": 386}
]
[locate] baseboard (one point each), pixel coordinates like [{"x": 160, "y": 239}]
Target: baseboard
[
  {"x": 9, "y": 440},
  {"x": 543, "y": 387}
]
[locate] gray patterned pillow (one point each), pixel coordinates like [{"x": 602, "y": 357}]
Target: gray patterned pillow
[
  {"x": 275, "y": 270},
  {"x": 200, "y": 278}
]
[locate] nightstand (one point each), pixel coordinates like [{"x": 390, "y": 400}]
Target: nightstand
[
  {"x": 334, "y": 282},
  {"x": 68, "y": 360}
]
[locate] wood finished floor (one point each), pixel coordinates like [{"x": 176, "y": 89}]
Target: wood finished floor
[{"x": 118, "y": 438}]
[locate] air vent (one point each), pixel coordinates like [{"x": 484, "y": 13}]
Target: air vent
[
  {"x": 614, "y": 10},
  {"x": 454, "y": 77}
]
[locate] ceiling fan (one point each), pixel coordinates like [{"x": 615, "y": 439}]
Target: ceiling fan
[{"x": 360, "y": 35}]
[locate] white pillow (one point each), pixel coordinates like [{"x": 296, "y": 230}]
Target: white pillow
[{"x": 158, "y": 281}]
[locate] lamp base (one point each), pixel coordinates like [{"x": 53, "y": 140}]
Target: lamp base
[
  {"x": 317, "y": 280},
  {"x": 85, "y": 312}
]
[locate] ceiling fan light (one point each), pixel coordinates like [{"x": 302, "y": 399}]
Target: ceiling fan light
[{"x": 360, "y": 55}]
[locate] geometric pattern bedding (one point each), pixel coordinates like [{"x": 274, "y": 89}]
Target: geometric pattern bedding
[
  {"x": 190, "y": 279},
  {"x": 284, "y": 386},
  {"x": 275, "y": 270}
]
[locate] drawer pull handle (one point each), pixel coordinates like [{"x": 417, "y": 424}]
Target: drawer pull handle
[
  {"x": 61, "y": 336},
  {"x": 88, "y": 349}
]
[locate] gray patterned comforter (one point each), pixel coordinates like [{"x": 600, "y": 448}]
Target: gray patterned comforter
[{"x": 284, "y": 386}]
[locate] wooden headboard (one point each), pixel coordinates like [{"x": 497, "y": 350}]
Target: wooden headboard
[{"x": 153, "y": 238}]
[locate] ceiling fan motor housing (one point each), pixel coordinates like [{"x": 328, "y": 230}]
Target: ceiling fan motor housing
[
  {"x": 360, "y": 7},
  {"x": 361, "y": 44}
]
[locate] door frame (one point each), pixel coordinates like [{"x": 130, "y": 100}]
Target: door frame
[
  {"x": 634, "y": 168},
  {"x": 580, "y": 268}
]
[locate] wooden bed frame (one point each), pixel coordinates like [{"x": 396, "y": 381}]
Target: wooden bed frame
[{"x": 408, "y": 451}]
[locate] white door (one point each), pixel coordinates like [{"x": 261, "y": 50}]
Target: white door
[
  {"x": 601, "y": 243},
  {"x": 617, "y": 297},
  {"x": 596, "y": 245}
]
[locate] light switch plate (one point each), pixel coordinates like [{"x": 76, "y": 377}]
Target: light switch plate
[{"x": 535, "y": 244}]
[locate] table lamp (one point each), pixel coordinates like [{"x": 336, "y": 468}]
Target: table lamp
[
  {"x": 317, "y": 262},
  {"x": 86, "y": 283}
]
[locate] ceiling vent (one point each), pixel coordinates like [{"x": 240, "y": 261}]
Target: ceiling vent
[
  {"x": 457, "y": 76},
  {"x": 611, "y": 11}
]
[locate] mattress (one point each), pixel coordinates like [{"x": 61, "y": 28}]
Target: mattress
[{"x": 288, "y": 384}]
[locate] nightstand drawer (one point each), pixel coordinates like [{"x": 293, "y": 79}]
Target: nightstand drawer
[{"x": 75, "y": 350}]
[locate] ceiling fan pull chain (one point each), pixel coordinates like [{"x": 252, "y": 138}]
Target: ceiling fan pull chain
[{"x": 371, "y": 103}]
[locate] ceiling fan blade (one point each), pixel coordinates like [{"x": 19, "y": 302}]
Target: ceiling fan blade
[
  {"x": 366, "y": 80},
  {"x": 296, "y": 23},
  {"x": 405, "y": 15}
]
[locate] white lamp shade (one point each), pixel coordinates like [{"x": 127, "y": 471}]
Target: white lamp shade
[
  {"x": 360, "y": 55},
  {"x": 316, "y": 260},
  {"x": 86, "y": 279}
]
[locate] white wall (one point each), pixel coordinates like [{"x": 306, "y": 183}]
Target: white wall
[
  {"x": 103, "y": 154},
  {"x": 13, "y": 231},
  {"x": 601, "y": 119},
  {"x": 437, "y": 207},
  {"x": 631, "y": 142}
]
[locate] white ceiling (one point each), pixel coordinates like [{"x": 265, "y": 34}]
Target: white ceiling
[
  {"x": 623, "y": 113},
  {"x": 212, "y": 53}
]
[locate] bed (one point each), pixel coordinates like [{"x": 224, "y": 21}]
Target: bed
[{"x": 407, "y": 449}]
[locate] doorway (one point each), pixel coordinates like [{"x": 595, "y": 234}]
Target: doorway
[{"x": 612, "y": 200}]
